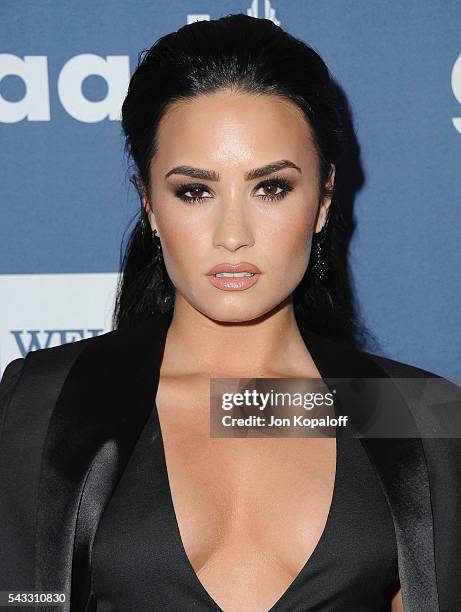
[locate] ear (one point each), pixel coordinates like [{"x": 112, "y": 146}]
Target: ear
[
  {"x": 326, "y": 201},
  {"x": 146, "y": 204}
]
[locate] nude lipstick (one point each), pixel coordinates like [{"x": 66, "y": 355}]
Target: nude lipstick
[{"x": 234, "y": 277}]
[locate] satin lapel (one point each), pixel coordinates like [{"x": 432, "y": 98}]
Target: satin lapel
[
  {"x": 400, "y": 464},
  {"x": 96, "y": 422}
]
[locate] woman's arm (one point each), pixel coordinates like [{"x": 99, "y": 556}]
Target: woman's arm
[{"x": 397, "y": 603}]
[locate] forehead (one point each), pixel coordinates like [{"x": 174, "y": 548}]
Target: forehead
[{"x": 228, "y": 127}]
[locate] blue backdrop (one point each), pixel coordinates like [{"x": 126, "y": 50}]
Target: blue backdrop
[{"x": 66, "y": 200}]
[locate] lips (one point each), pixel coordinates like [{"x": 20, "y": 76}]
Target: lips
[{"x": 234, "y": 268}]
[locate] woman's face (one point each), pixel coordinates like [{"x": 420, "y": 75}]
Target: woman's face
[{"x": 215, "y": 199}]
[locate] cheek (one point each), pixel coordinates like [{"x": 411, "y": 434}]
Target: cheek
[
  {"x": 295, "y": 251},
  {"x": 181, "y": 246},
  {"x": 288, "y": 241},
  {"x": 174, "y": 246}
]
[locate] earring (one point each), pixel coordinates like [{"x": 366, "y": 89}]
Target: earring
[
  {"x": 144, "y": 222},
  {"x": 157, "y": 243},
  {"x": 320, "y": 267}
]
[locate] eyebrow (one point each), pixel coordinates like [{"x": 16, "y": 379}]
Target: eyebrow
[{"x": 211, "y": 175}]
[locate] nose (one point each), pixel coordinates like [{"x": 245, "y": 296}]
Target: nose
[{"x": 232, "y": 228}]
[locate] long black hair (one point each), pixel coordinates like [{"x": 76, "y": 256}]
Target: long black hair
[{"x": 249, "y": 55}]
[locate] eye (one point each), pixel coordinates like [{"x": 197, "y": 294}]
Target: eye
[
  {"x": 277, "y": 187},
  {"x": 195, "y": 189}
]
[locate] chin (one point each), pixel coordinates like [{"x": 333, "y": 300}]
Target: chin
[{"x": 239, "y": 311}]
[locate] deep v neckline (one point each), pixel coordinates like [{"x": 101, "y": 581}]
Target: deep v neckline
[{"x": 322, "y": 542}]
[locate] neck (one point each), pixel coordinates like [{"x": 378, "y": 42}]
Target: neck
[{"x": 270, "y": 345}]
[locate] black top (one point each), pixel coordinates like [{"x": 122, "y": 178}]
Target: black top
[{"x": 139, "y": 561}]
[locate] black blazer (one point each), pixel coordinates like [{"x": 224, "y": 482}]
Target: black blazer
[{"x": 70, "y": 416}]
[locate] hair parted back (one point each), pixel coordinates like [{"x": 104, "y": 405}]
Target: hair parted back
[{"x": 248, "y": 55}]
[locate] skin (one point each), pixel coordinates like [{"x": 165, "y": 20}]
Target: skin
[{"x": 229, "y": 515}]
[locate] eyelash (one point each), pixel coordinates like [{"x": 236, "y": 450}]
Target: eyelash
[{"x": 283, "y": 183}]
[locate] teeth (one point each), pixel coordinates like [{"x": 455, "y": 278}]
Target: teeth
[{"x": 234, "y": 275}]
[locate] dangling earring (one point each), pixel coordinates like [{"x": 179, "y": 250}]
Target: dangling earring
[
  {"x": 157, "y": 243},
  {"x": 320, "y": 267},
  {"x": 145, "y": 225}
]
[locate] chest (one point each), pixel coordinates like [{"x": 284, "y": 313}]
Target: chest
[
  {"x": 243, "y": 506},
  {"x": 248, "y": 527}
]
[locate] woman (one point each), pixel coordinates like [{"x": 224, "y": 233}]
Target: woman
[{"x": 114, "y": 490}]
